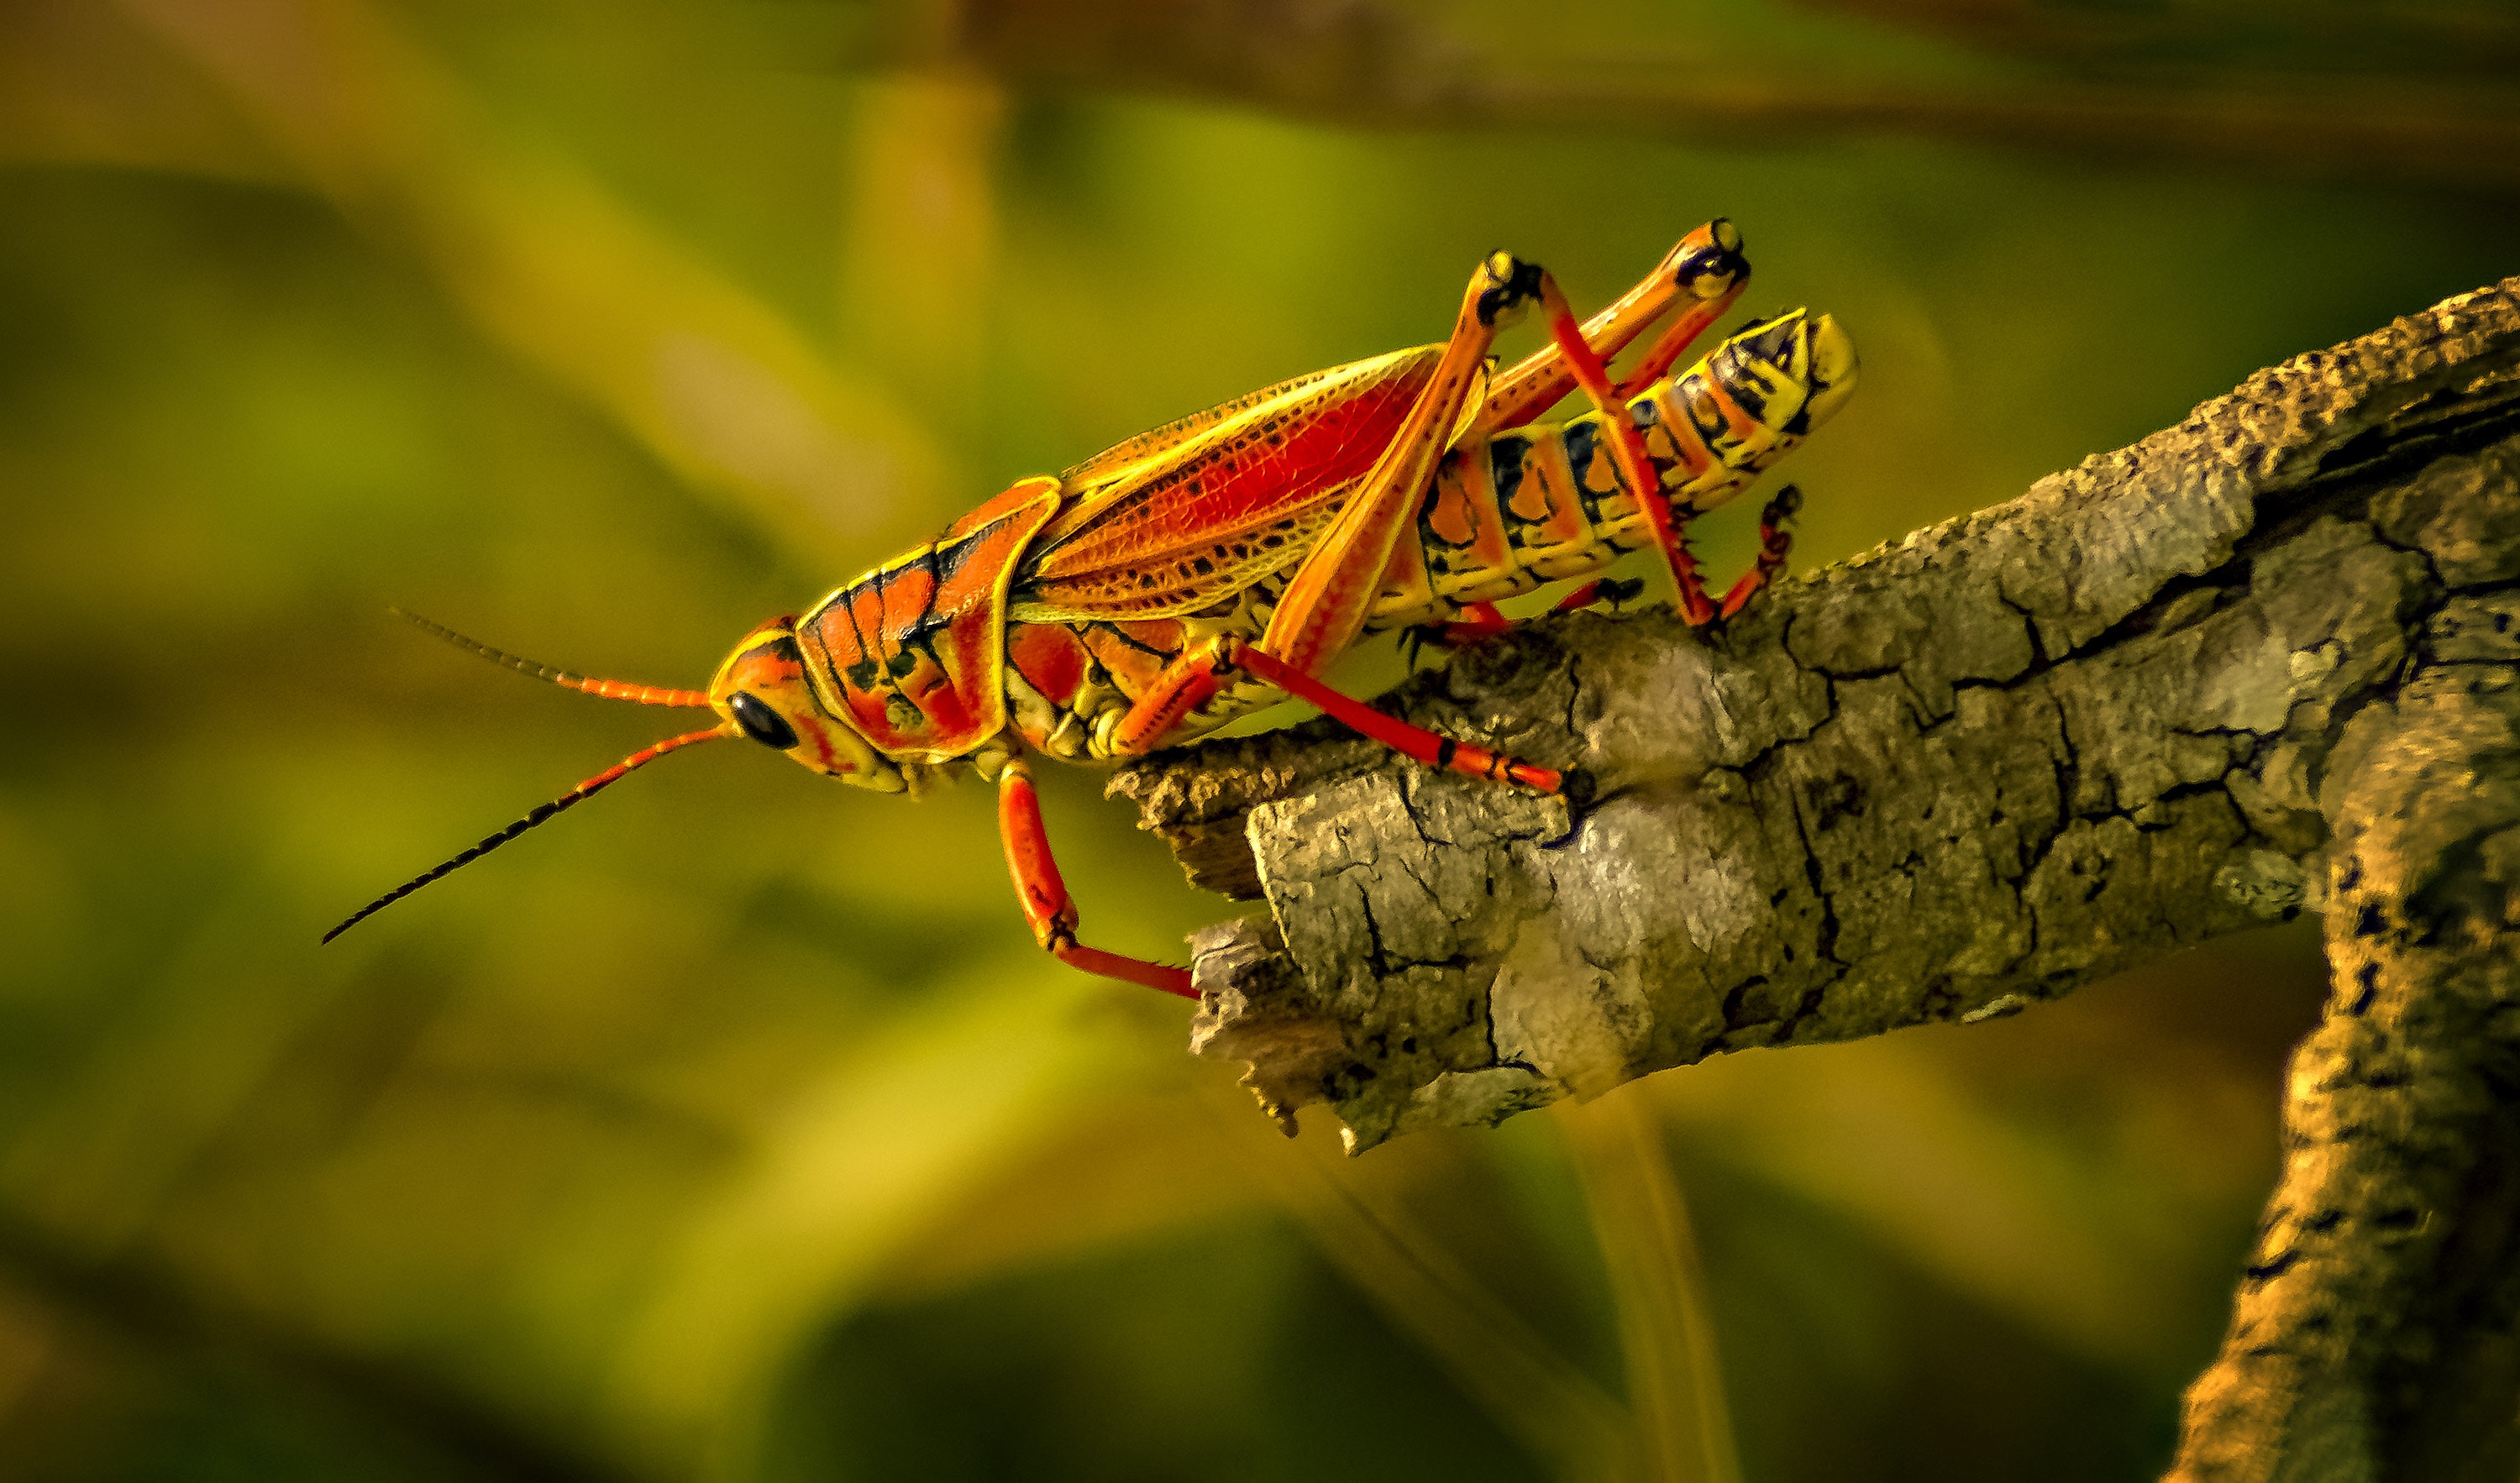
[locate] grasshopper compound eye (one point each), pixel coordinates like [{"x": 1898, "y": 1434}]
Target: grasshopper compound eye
[
  {"x": 763, "y": 692},
  {"x": 760, "y": 722}
]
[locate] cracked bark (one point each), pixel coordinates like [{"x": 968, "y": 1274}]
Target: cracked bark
[{"x": 2264, "y": 662}]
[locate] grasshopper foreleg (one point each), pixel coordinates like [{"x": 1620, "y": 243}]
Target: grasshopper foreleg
[{"x": 1045, "y": 902}]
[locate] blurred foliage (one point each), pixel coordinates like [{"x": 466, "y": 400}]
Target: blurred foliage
[{"x": 733, "y": 1129}]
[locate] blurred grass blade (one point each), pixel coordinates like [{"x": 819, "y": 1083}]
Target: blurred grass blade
[
  {"x": 921, "y": 251},
  {"x": 1977, "y": 1201},
  {"x": 1140, "y": 1170},
  {"x": 543, "y": 258},
  {"x": 1674, "y": 1379},
  {"x": 159, "y": 1082},
  {"x": 1537, "y": 1396},
  {"x": 798, "y": 1237}
]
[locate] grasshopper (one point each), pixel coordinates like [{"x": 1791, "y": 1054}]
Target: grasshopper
[{"x": 1219, "y": 564}]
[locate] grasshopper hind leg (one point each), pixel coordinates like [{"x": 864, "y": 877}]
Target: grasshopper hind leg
[
  {"x": 1324, "y": 607},
  {"x": 1776, "y": 540}
]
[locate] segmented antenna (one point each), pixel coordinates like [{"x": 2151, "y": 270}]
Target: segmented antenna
[
  {"x": 611, "y": 690},
  {"x": 576, "y": 795}
]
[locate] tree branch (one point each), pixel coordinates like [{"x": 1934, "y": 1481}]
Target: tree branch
[
  {"x": 2266, "y": 660},
  {"x": 1372, "y": 65}
]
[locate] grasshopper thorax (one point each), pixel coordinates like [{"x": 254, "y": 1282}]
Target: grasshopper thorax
[{"x": 762, "y": 692}]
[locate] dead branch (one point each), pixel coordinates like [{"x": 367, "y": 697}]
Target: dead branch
[
  {"x": 2264, "y": 662},
  {"x": 1366, "y": 64}
]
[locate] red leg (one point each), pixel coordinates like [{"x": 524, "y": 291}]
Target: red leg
[
  {"x": 1392, "y": 732},
  {"x": 1706, "y": 271},
  {"x": 1660, "y": 356},
  {"x": 1611, "y": 589},
  {"x": 1478, "y": 621},
  {"x": 1045, "y": 898},
  {"x": 1481, "y": 621},
  {"x": 1324, "y": 607},
  {"x": 1197, "y": 675},
  {"x": 1628, "y": 447},
  {"x": 1323, "y": 604},
  {"x": 1775, "y": 541}
]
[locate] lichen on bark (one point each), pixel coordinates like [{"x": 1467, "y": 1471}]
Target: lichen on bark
[{"x": 2265, "y": 661}]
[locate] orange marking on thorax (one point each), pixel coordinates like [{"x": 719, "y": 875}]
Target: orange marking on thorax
[{"x": 911, "y": 651}]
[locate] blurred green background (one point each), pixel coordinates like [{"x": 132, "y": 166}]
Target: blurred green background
[{"x": 731, "y": 1128}]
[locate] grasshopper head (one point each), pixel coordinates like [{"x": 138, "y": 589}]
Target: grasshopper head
[{"x": 762, "y": 692}]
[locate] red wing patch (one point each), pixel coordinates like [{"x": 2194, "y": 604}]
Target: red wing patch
[
  {"x": 1209, "y": 517},
  {"x": 912, "y": 653}
]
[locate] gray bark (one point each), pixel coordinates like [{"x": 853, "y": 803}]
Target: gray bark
[{"x": 2265, "y": 661}]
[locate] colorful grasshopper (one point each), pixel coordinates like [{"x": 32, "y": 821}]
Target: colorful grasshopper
[{"x": 1221, "y": 563}]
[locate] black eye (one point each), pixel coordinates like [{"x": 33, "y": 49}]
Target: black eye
[{"x": 760, "y": 722}]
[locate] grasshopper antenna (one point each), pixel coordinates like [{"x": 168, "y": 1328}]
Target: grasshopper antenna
[
  {"x": 574, "y": 796},
  {"x": 611, "y": 690}
]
